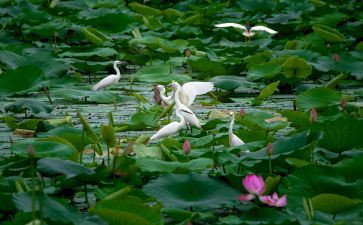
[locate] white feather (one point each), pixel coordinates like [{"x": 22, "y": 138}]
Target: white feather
[
  {"x": 170, "y": 128},
  {"x": 105, "y": 82},
  {"x": 166, "y": 99},
  {"x": 234, "y": 140},
  {"x": 263, "y": 28},
  {"x": 110, "y": 79},
  {"x": 188, "y": 114},
  {"x": 192, "y": 89},
  {"x": 235, "y": 25}
]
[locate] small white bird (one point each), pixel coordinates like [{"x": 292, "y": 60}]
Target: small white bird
[
  {"x": 233, "y": 139},
  {"x": 190, "y": 90},
  {"x": 247, "y": 29},
  {"x": 110, "y": 79},
  {"x": 167, "y": 100},
  {"x": 188, "y": 114},
  {"x": 170, "y": 128}
]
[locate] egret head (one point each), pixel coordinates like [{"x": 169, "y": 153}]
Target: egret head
[
  {"x": 161, "y": 88},
  {"x": 117, "y": 62},
  {"x": 174, "y": 85},
  {"x": 231, "y": 113}
]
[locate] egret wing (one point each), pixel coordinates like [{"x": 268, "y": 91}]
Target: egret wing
[
  {"x": 192, "y": 89},
  {"x": 105, "y": 82},
  {"x": 235, "y": 141},
  {"x": 235, "y": 25},
  {"x": 167, "y": 130},
  {"x": 263, "y": 28},
  {"x": 190, "y": 117}
]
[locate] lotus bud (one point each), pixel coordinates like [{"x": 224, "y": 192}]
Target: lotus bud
[
  {"x": 269, "y": 148},
  {"x": 187, "y": 52},
  {"x": 242, "y": 112},
  {"x": 186, "y": 147},
  {"x": 313, "y": 114},
  {"x": 31, "y": 151},
  {"x": 343, "y": 103},
  {"x": 254, "y": 184},
  {"x": 336, "y": 57}
]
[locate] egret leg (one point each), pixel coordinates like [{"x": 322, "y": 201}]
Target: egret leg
[
  {"x": 186, "y": 131},
  {"x": 191, "y": 129}
]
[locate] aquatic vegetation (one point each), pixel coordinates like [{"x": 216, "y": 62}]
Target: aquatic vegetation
[{"x": 280, "y": 111}]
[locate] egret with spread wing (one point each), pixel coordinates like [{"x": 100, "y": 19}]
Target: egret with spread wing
[
  {"x": 190, "y": 90},
  {"x": 234, "y": 140},
  {"x": 247, "y": 29},
  {"x": 110, "y": 79},
  {"x": 188, "y": 114}
]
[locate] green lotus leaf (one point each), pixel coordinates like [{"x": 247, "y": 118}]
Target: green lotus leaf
[
  {"x": 266, "y": 92},
  {"x": 54, "y": 167},
  {"x": 328, "y": 34},
  {"x": 317, "y": 97},
  {"x": 333, "y": 203},
  {"x": 22, "y": 105},
  {"x": 159, "y": 73},
  {"x": 263, "y": 71},
  {"x": 13, "y": 82},
  {"x": 53, "y": 210},
  {"x": 191, "y": 191},
  {"x": 45, "y": 148},
  {"x": 126, "y": 212},
  {"x": 155, "y": 165},
  {"x": 230, "y": 83},
  {"x": 295, "y": 67},
  {"x": 341, "y": 135}
]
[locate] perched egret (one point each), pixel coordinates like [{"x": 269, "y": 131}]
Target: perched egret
[
  {"x": 167, "y": 100},
  {"x": 170, "y": 128},
  {"x": 247, "y": 29},
  {"x": 110, "y": 79},
  {"x": 190, "y": 90},
  {"x": 233, "y": 139},
  {"x": 188, "y": 114}
]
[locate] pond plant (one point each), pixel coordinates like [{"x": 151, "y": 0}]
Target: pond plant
[{"x": 202, "y": 127}]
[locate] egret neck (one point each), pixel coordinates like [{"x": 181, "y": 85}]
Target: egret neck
[
  {"x": 231, "y": 125},
  {"x": 118, "y": 74},
  {"x": 180, "y": 94}
]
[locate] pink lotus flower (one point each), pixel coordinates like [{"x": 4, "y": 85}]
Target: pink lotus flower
[
  {"x": 254, "y": 185},
  {"x": 274, "y": 200}
]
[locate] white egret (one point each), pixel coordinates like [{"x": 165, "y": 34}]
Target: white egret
[
  {"x": 247, "y": 29},
  {"x": 233, "y": 139},
  {"x": 170, "y": 128},
  {"x": 167, "y": 100},
  {"x": 190, "y": 90},
  {"x": 188, "y": 114},
  {"x": 110, "y": 79}
]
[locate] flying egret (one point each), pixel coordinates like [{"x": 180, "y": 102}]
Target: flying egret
[
  {"x": 167, "y": 100},
  {"x": 110, "y": 79},
  {"x": 247, "y": 29},
  {"x": 190, "y": 90},
  {"x": 188, "y": 114},
  {"x": 170, "y": 128},
  {"x": 233, "y": 139}
]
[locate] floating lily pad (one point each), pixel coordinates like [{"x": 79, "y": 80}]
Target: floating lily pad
[
  {"x": 22, "y": 105},
  {"x": 191, "y": 190}
]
